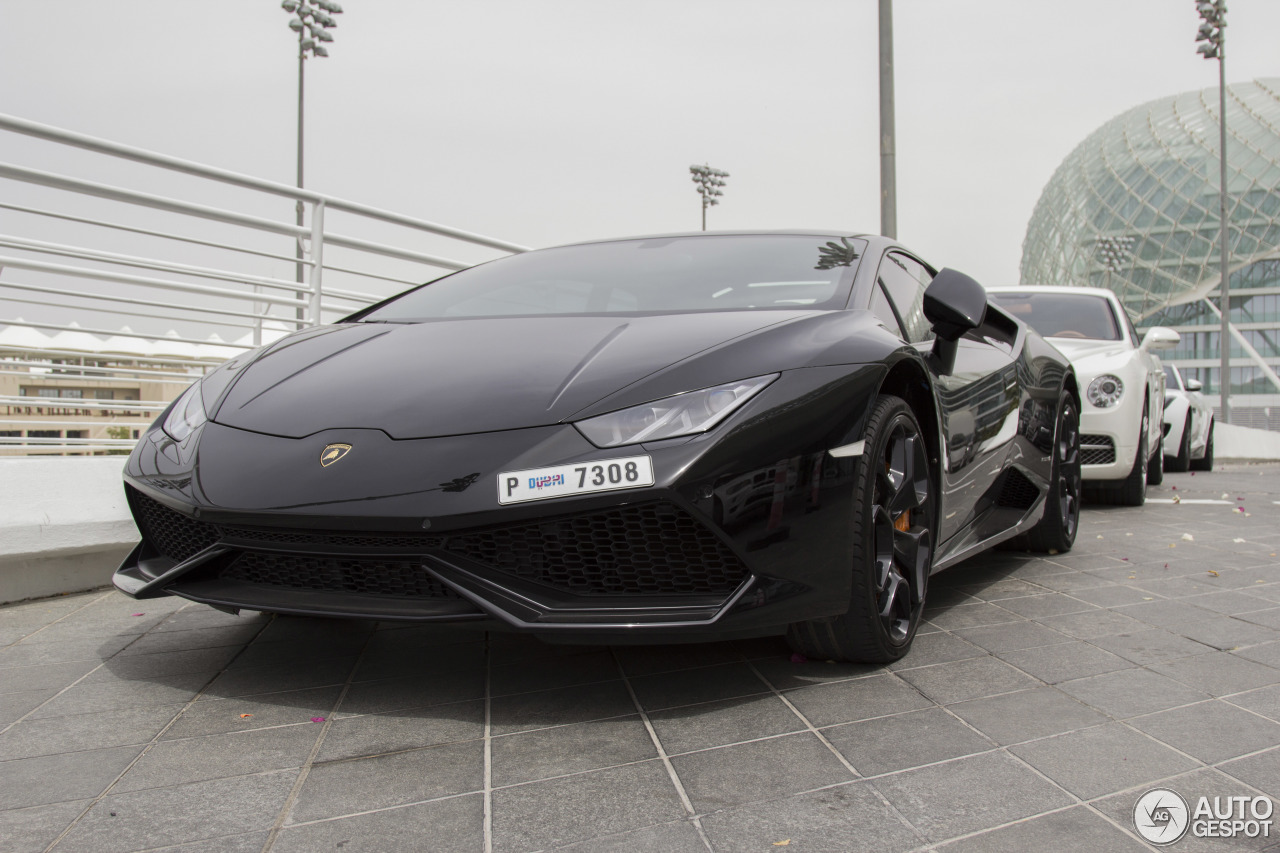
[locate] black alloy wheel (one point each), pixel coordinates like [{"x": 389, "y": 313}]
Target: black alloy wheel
[
  {"x": 893, "y": 531},
  {"x": 1056, "y": 530}
]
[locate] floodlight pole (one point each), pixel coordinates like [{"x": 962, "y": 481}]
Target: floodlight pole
[
  {"x": 311, "y": 20},
  {"x": 888, "y": 180},
  {"x": 1113, "y": 251},
  {"x": 298, "y": 207},
  {"x": 709, "y": 183},
  {"x": 1212, "y": 45},
  {"x": 1224, "y": 335}
]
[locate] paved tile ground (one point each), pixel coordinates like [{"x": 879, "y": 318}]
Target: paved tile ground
[{"x": 1045, "y": 694}]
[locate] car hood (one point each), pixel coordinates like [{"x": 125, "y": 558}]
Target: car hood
[
  {"x": 437, "y": 378},
  {"x": 1077, "y": 350}
]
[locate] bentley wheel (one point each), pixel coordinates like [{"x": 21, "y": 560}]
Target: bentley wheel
[
  {"x": 1155, "y": 465},
  {"x": 893, "y": 531},
  {"x": 1056, "y": 531},
  {"x": 1132, "y": 490}
]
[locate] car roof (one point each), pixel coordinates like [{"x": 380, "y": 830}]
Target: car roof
[
  {"x": 761, "y": 232},
  {"x": 1054, "y": 288}
]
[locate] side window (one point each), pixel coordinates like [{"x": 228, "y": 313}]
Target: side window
[
  {"x": 904, "y": 279},
  {"x": 883, "y": 310}
]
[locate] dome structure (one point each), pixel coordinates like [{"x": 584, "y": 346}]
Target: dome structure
[{"x": 1135, "y": 206}]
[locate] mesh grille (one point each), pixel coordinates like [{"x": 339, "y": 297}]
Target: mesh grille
[
  {"x": 1102, "y": 453},
  {"x": 652, "y": 549},
  {"x": 345, "y": 540},
  {"x": 402, "y": 578},
  {"x": 174, "y": 534},
  {"x": 1018, "y": 492}
]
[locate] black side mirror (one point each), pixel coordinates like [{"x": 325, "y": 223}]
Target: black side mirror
[{"x": 954, "y": 304}]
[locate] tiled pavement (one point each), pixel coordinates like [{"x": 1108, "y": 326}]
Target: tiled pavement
[{"x": 1042, "y": 698}]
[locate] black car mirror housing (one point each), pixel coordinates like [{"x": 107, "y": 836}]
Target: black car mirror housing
[{"x": 954, "y": 304}]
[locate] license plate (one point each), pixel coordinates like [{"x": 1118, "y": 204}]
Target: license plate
[{"x": 580, "y": 478}]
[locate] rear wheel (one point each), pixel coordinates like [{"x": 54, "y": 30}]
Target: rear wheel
[
  {"x": 1181, "y": 462},
  {"x": 1056, "y": 531},
  {"x": 892, "y": 530},
  {"x": 1205, "y": 464}
]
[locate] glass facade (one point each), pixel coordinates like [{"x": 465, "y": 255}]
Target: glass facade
[{"x": 1134, "y": 208}]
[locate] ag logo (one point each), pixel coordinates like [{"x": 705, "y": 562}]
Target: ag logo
[
  {"x": 332, "y": 453},
  {"x": 1161, "y": 816}
]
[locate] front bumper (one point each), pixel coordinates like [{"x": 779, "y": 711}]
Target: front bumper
[
  {"x": 646, "y": 563},
  {"x": 743, "y": 532},
  {"x": 1108, "y": 443}
]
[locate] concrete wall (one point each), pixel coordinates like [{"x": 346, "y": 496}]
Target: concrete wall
[
  {"x": 1245, "y": 445},
  {"x": 65, "y": 525}
]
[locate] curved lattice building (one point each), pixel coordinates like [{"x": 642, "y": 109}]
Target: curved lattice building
[{"x": 1135, "y": 208}]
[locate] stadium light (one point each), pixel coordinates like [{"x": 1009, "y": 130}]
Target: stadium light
[
  {"x": 312, "y": 20},
  {"x": 709, "y": 183},
  {"x": 1113, "y": 251}
]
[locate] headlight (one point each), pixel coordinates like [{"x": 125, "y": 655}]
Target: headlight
[
  {"x": 1105, "y": 391},
  {"x": 683, "y": 414},
  {"x": 186, "y": 414}
]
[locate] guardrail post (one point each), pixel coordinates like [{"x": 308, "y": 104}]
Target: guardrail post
[
  {"x": 317, "y": 258},
  {"x": 258, "y": 309},
  {"x": 225, "y": 288}
]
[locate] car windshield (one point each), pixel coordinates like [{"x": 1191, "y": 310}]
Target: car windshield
[
  {"x": 659, "y": 275},
  {"x": 1172, "y": 380},
  {"x": 1063, "y": 315}
]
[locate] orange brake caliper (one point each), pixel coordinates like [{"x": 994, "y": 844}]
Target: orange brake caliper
[{"x": 902, "y": 522}]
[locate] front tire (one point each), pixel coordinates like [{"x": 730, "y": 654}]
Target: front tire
[
  {"x": 892, "y": 531},
  {"x": 1132, "y": 490},
  {"x": 1155, "y": 465}
]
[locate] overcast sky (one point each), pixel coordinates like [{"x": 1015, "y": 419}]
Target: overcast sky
[{"x": 549, "y": 121}]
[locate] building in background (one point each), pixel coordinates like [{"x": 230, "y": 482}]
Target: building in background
[
  {"x": 1135, "y": 208},
  {"x": 72, "y": 393}
]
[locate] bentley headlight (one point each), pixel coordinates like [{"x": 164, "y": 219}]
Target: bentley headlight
[
  {"x": 186, "y": 414},
  {"x": 1105, "y": 391},
  {"x": 683, "y": 414}
]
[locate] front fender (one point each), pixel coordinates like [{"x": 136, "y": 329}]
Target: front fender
[{"x": 1175, "y": 421}]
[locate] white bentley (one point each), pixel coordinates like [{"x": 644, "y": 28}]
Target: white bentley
[
  {"x": 1188, "y": 424},
  {"x": 1121, "y": 380}
]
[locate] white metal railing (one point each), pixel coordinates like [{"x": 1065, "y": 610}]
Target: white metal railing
[{"x": 156, "y": 288}]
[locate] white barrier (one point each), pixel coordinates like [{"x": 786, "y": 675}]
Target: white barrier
[
  {"x": 1242, "y": 444},
  {"x": 64, "y": 524}
]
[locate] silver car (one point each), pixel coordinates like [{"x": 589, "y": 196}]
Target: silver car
[
  {"x": 1121, "y": 419},
  {"x": 1188, "y": 424}
]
